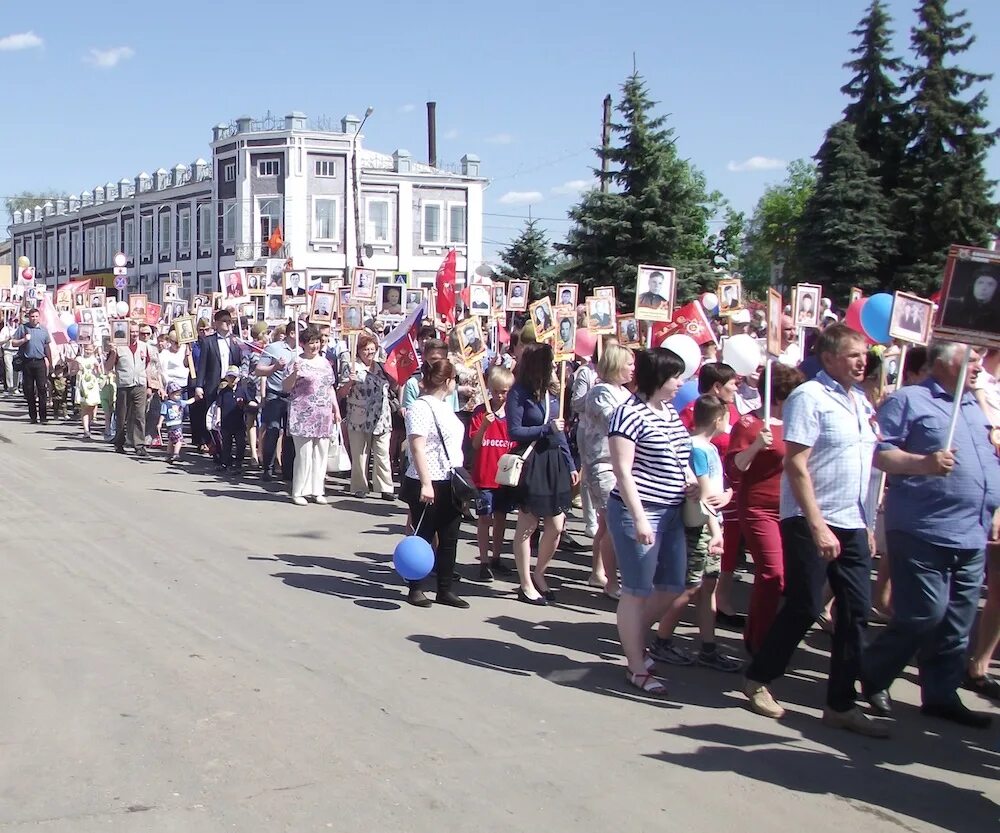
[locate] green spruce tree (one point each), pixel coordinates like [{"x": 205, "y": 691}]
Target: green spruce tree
[
  {"x": 844, "y": 234},
  {"x": 656, "y": 210},
  {"x": 945, "y": 196},
  {"x": 529, "y": 257}
]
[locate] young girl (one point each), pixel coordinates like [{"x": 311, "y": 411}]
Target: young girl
[
  {"x": 88, "y": 370},
  {"x": 172, "y": 418},
  {"x": 490, "y": 441}
]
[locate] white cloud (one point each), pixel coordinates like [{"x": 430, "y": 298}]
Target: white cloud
[
  {"x": 108, "y": 58},
  {"x": 23, "y": 40},
  {"x": 407, "y": 108},
  {"x": 521, "y": 197},
  {"x": 572, "y": 188},
  {"x": 500, "y": 139},
  {"x": 450, "y": 134},
  {"x": 755, "y": 163}
]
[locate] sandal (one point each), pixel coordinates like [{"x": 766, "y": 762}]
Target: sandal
[
  {"x": 986, "y": 685},
  {"x": 646, "y": 683}
]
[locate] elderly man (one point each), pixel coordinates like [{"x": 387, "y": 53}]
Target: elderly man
[
  {"x": 940, "y": 509},
  {"x": 130, "y": 365},
  {"x": 830, "y": 439}
]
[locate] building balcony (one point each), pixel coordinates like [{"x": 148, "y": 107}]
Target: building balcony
[{"x": 256, "y": 251}]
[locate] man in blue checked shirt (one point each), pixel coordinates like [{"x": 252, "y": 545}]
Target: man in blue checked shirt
[
  {"x": 936, "y": 531},
  {"x": 830, "y": 439}
]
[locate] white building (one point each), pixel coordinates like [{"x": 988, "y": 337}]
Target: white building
[{"x": 392, "y": 212}]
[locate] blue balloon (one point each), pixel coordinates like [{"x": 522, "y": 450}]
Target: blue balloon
[
  {"x": 413, "y": 558},
  {"x": 875, "y": 315},
  {"x": 686, "y": 394},
  {"x": 72, "y": 331}
]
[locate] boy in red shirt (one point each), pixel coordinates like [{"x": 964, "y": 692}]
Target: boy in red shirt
[{"x": 488, "y": 431}]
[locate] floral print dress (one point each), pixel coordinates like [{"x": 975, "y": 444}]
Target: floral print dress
[
  {"x": 368, "y": 402},
  {"x": 88, "y": 381},
  {"x": 312, "y": 400}
]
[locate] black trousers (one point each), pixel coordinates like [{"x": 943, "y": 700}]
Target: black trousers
[
  {"x": 153, "y": 413},
  {"x": 440, "y": 518},
  {"x": 197, "y": 413},
  {"x": 233, "y": 439},
  {"x": 36, "y": 388},
  {"x": 806, "y": 575}
]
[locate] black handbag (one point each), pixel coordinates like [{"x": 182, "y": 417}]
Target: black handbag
[
  {"x": 17, "y": 363},
  {"x": 464, "y": 492}
]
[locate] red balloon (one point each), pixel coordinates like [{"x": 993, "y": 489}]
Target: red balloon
[
  {"x": 586, "y": 343},
  {"x": 852, "y": 318}
]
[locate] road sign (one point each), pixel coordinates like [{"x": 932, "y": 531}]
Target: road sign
[
  {"x": 120, "y": 260},
  {"x": 121, "y": 282},
  {"x": 119, "y": 270}
]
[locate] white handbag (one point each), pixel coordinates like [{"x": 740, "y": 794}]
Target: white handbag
[{"x": 511, "y": 465}]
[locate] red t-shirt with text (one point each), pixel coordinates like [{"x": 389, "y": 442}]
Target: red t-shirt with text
[{"x": 496, "y": 443}]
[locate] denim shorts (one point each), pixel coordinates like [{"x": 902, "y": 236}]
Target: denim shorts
[
  {"x": 494, "y": 502},
  {"x": 644, "y": 568}
]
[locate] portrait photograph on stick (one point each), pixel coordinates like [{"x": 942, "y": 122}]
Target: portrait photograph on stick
[
  {"x": 601, "y": 316},
  {"x": 807, "y": 308},
  {"x": 654, "y": 293},
  {"x": 470, "y": 339},
  {"x": 363, "y": 285},
  {"x": 730, "y": 294},
  {"x": 352, "y": 318},
  {"x": 413, "y": 299},
  {"x": 565, "y": 346},
  {"x": 184, "y": 329},
  {"x": 774, "y": 314},
  {"x": 295, "y": 291},
  {"x": 233, "y": 283},
  {"x": 391, "y": 299},
  {"x": 323, "y": 306},
  {"x": 517, "y": 296},
  {"x": 137, "y": 307},
  {"x": 856, "y": 295},
  {"x": 541, "y": 317},
  {"x": 481, "y": 298},
  {"x": 628, "y": 332},
  {"x": 499, "y": 306},
  {"x": 912, "y": 318},
  {"x": 969, "y": 308},
  {"x": 85, "y": 333},
  {"x": 566, "y": 294},
  {"x": 119, "y": 332}
]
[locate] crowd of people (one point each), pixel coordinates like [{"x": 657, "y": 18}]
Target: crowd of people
[{"x": 810, "y": 486}]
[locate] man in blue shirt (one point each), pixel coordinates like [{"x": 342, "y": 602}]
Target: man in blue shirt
[
  {"x": 273, "y": 366},
  {"x": 940, "y": 510},
  {"x": 35, "y": 346}
]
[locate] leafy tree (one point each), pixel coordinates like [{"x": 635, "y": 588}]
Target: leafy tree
[
  {"x": 945, "y": 196},
  {"x": 844, "y": 233},
  {"x": 773, "y": 229},
  {"x": 656, "y": 211},
  {"x": 29, "y": 199},
  {"x": 529, "y": 257}
]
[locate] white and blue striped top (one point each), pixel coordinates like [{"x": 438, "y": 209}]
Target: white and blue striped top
[{"x": 662, "y": 449}]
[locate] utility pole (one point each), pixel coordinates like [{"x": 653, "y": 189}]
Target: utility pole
[{"x": 605, "y": 142}]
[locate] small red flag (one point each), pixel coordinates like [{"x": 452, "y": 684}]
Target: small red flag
[
  {"x": 445, "y": 285},
  {"x": 275, "y": 241},
  {"x": 690, "y": 320}
]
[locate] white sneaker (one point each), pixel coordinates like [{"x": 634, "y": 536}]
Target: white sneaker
[
  {"x": 298, "y": 500},
  {"x": 320, "y": 499}
]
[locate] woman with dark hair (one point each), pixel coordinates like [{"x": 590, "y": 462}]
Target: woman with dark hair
[
  {"x": 755, "y": 460},
  {"x": 978, "y": 308},
  {"x": 435, "y": 434},
  {"x": 649, "y": 454},
  {"x": 536, "y": 426}
]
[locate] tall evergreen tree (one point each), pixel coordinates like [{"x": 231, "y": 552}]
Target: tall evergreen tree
[
  {"x": 656, "y": 211},
  {"x": 844, "y": 234},
  {"x": 529, "y": 257},
  {"x": 945, "y": 196}
]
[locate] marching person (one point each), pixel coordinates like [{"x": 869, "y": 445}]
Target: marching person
[
  {"x": 940, "y": 510},
  {"x": 273, "y": 366},
  {"x": 35, "y": 347},
  {"x": 130, "y": 365}
]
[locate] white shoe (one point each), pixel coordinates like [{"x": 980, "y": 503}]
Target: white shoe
[
  {"x": 298, "y": 500},
  {"x": 320, "y": 499}
]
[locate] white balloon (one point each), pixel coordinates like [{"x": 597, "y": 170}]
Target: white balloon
[
  {"x": 122, "y": 309},
  {"x": 710, "y": 301},
  {"x": 66, "y": 318},
  {"x": 687, "y": 348},
  {"x": 743, "y": 354}
]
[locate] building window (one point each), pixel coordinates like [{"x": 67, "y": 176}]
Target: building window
[
  {"x": 269, "y": 214},
  {"x": 456, "y": 224},
  {"x": 129, "y": 247},
  {"x": 269, "y": 167},
  {"x": 325, "y": 225},
  {"x": 184, "y": 231},
  {"x": 112, "y": 249},
  {"x": 377, "y": 225},
  {"x": 205, "y": 235},
  {"x": 63, "y": 251},
  {"x": 146, "y": 236},
  {"x": 432, "y": 230},
  {"x": 229, "y": 172},
  {"x": 326, "y": 167},
  {"x": 88, "y": 249},
  {"x": 229, "y": 222},
  {"x": 164, "y": 227},
  {"x": 74, "y": 250},
  {"x": 100, "y": 248},
  {"x": 50, "y": 253}
]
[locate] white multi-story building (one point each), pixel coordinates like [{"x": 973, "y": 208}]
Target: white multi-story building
[{"x": 338, "y": 205}]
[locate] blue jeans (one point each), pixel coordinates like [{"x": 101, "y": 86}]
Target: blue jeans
[
  {"x": 661, "y": 565},
  {"x": 935, "y": 593}
]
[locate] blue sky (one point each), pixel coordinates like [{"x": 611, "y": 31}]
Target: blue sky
[{"x": 99, "y": 95}]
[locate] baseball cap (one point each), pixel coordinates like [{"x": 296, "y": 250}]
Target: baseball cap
[
  {"x": 172, "y": 387},
  {"x": 232, "y": 370}
]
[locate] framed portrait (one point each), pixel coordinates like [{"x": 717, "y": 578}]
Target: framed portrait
[
  {"x": 294, "y": 287},
  {"x": 517, "y": 296},
  {"x": 171, "y": 291},
  {"x": 565, "y": 346},
  {"x": 499, "y": 305},
  {"x": 153, "y": 312},
  {"x": 391, "y": 298},
  {"x": 216, "y": 300},
  {"x": 96, "y": 300},
  {"x": 5, "y": 295},
  {"x": 543, "y": 318},
  {"x": 806, "y": 311},
  {"x": 85, "y": 333},
  {"x": 774, "y": 315},
  {"x": 249, "y": 310},
  {"x": 352, "y": 318},
  {"x": 655, "y": 288},
  {"x": 566, "y": 294},
  {"x": 119, "y": 332},
  {"x": 470, "y": 339},
  {"x": 363, "y": 285},
  {"x": 64, "y": 297},
  {"x": 86, "y": 316},
  {"x": 137, "y": 306},
  {"x": 100, "y": 318},
  {"x": 80, "y": 299},
  {"x": 200, "y": 301},
  {"x": 324, "y": 305},
  {"x": 911, "y": 319},
  {"x": 628, "y": 332},
  {"x": 481, "y": 299},
  {"x": 175, "y": 276},
  {"x": 969, "y": 309},
  {"x": 256, "y": 283},
  {"x": 414, "y": 297},
  {"x": 178, "y": 308},
  {"x": 601, "y": 316},
  {"x": 233, "y": 286},
  {"x": 204, "y": 317},
  {"x": 343, "y": 297},
  {"x": 185, "y": 329},
  {"x": 604, "y": 292},
  {"x": 274, "y": 307},
  {"x": 856, "y": 295},
  {"x": 730, "y": 292}
]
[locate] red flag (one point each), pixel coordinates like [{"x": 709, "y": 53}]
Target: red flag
[
  {"x": 401, "y": 346},
  {"x": 690, "y": 320},
  {"x": 275, "y": 241},
  {"x": 445, "y": 285},
  {"x": 49, "y": 319}
]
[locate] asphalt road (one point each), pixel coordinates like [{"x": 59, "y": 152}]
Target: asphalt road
[{"x": 185, "y": 653}]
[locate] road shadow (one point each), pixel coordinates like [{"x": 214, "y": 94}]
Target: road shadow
[{"x": 856, "y": 776}]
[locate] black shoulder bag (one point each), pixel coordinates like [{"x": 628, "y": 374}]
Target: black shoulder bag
[{"x": 464, "y": 493}]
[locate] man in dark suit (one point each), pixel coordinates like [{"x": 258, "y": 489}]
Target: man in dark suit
[{"x": 218, "y": 351}]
